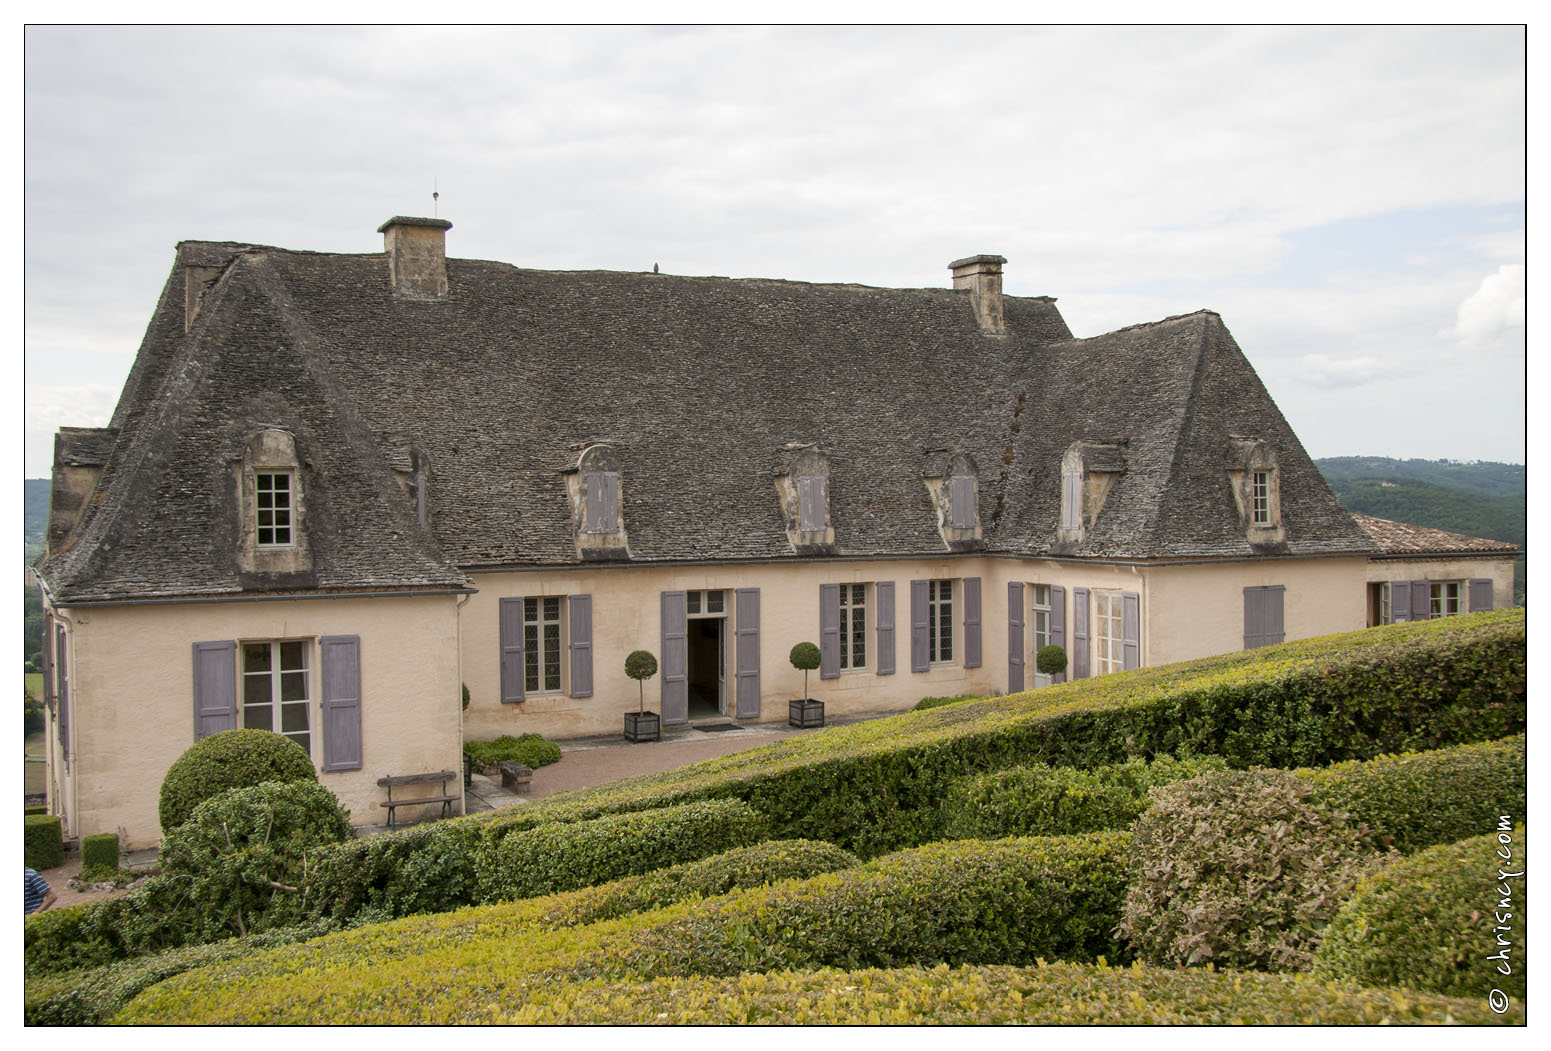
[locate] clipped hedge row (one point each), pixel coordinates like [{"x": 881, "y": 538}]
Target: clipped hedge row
[
  {"x": 974, "y": 900},
  {"x": 43, "y": 844},
  {"x": 558, "y": 857},
  {"x": 528, "y": 749},
  {"x": 1435, "y": 920},
  {"x": 1048, "y": 994},
  {"x": 93, "y": 996},
  {"x": 1044, "y": 800},
  {"x": 877, "y": 786},
  {"x": 1420, "y": 799}
]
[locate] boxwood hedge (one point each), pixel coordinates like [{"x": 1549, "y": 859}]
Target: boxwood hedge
[
  {"x": 1045, "y": 994},
  {"x": 1420, "y": 799},
  {"x": 975, "y": 900},
  {"x": 1436, "y": 920}
]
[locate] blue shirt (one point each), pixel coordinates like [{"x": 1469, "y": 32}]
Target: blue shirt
[{"x": 37, "y": 889}]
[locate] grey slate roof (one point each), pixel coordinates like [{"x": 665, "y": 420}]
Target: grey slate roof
[{"x": 699, "y": 383}]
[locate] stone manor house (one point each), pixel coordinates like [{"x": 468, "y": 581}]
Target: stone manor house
[{"x": 337, "y": 488}]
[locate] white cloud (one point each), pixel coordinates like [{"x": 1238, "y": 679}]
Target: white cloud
[
  {"x": 1494, "y": 312},
  {"x": 1329, "y": 372}
]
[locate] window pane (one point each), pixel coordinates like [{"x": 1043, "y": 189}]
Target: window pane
[
  {"x": 293, "y": 717},
  {"x": 692, "y": 601},
  {"x": 303, "y": 739},
  {"x": 551, "y": 609},
  {"x": 713, "y": 601},
  {"x": 256, "y": 689},
  {"x": 293, "y": 656},
  {"x": 293, "y": 686},
  {"x": 258, "y": 718},
  {"x": 255, "y": 657}
]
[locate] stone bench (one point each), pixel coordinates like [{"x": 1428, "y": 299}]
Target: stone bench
[{"x": 515, "y": 776}]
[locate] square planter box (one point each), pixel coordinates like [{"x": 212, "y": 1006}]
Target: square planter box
[
  {"x": 643, "y": 726},
  {"x": 806, "y": 714}
]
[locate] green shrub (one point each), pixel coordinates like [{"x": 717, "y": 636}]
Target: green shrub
[
  {"x": 556, "y": 857},
  {"x": 93, "y": 996},
  {"x": 928, "y": 703},
  {"x": 1002, "y": 901},
  {"x": 231, "y": 759},
  {"x": 640, "y": 665},
  {"x": 43, "y": 844},
  {"x": 1420, "y": 799},
  {"x": 1431, "y": 921},
  {"x": 1044, "y": 800},
  {"x": 1068, "y": 994},
  {"x": 425, "y": 868},
  {"x": 100, "y": 851},
  {"x": 245, "y": 853},
  {"x": 529, "y": 749},
  {"x": 805, "y": 657},
  {"x": 1239, "y": 869},
  {"x": 153, "y": 917}
]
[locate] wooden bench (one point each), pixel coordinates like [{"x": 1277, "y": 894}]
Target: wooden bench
[
  {"x": 515, "y": 776},
  {"x": 392, "y": 782}
]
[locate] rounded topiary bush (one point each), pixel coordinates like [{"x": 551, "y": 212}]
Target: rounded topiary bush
[
  {"x": 231, "y": 759},
  {"x": 1050, "y": 660},
  {"x": 245, "y": 853},
  {"x": 1430, "y": 921},
  {"x": 1240, "y": 869},
  {"x": 805, "y": 657}
]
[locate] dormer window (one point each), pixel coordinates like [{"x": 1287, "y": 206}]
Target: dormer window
[
  {"x": 952, "y": 479},
  {"x": 1260, "y": 497},
  {"x": 602, "y": 514},
  {"x": 1090, "y": 469},
  {"x": 272, "y": 500},
  {"x": 1254, "y": 477},
  {"x": 802, "y": 486},
  {"x": 272, "y": 506},
  {"x": 1071, "y": 500}
]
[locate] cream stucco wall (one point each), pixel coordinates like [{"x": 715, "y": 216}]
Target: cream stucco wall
[
  {"x": 1187, "y": 611},
  {"x": 1198, "y": 610},
  {"x": 132, "y": 698}
]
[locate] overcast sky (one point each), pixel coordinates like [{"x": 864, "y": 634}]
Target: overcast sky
[{"x": 1350, "y": 200}]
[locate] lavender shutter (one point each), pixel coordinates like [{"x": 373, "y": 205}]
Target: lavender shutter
[
  {"x": 1014, "y": 637},
  {"x": 1079, "y": 654},
  {"x": 341, "y": 660},
  {"x": 62, "y": 690},
  {"x": 884, "y": 657},
  {"x": 1421, "y": 600},
  {"x": 811, "y": 494},
  {"x": 1254, "y": 619},
  {"x": 962, "y": 496},
  {"x": 675, "y": 658},
  {"x": 1057, "y": 624},
  {"x": 593, "y": 522},
  {"x": 1130, "y": 630},
  {"x": 1071, "y": 500},
  {"x": 48, "y": 661},
  {"x": 829, "y": 631},
  {"x": 581, "y": 645},
  {"x": 1399, "y": 601},
  {"x": 512, "y": 671},
  {"x": 1263, "y": 624},
  {"x": 920, "y": 630},
  {"x": 971, "y": 622},
  {"x": 215, "y": 687},
  {"x": 748, "y": 653},
  {"x": 1480, "y": 594}
]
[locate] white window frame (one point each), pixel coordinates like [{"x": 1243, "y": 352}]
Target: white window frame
[
  {"x": 1260, "y": 497},
  {"x": 1444, "y": 594},
  {"x": 939, "y": 607},
  {"x": 278, "y": 676},
  {"x": 1108, "y": 632},
  {"x": 282, "y": 519},
  {"x": 543, "y": 638},
  {"x": 853, "y": 627},
  {"x": 1385, "y": 615},
  {"x": 697, "y": 604},
  {"x": 1039, "y": 621}
]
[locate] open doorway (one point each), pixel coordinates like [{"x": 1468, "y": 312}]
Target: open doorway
[{"x": 707, "y": 655}]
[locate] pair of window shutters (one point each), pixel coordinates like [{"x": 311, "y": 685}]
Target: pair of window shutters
[
  {"x": 61, "y": 679},
  {"x": 829, "y": 629},
  {"x": 675, "y": 655},
  {"x": 1263, "y": 624},
  {"x": 215, "y": 695},
  {"x": 920, "y": 624},
  {"x": 1411, "y": 600},
  {"x": 513, "y": 685},
  {"x": 1130, "y": 631}
]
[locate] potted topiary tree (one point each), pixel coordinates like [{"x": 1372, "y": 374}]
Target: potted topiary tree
[
  {"x": 805, "y": 712},
  {"x": 642, "y": 725},
  {"x": 1050, "y": 660}
]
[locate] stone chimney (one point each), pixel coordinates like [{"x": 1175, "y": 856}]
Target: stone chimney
[
  {"x": 982, "y": 275},
  {"x": 417, "y": 255}
]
